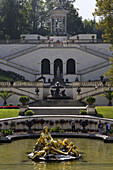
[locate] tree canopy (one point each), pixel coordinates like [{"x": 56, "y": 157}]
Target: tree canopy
[
  {"x": 32, "y": 16},
  {"x": 105, "y": 11}
]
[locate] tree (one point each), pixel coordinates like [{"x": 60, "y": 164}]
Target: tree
[
  {"x": 109, "y": 96},
  {"x": 4, "y": 94},
  {"x": 105, "y": 11},
  {"x": 74, "y": 22}
]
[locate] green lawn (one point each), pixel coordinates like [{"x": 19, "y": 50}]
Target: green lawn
[
  {"x": 105, "y": 111},
  {"x": 6, "y": 113}
]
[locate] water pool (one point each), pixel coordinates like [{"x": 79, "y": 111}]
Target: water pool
[{"x": 95, "y": 155}]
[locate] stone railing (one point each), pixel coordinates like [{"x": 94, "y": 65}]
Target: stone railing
[
  {"x": 94, "y": 92},
  {"x": 97, "y": 53},
  {"x": 40, "y": 83},
  {"x": 20, "y": 67},
  {"x": 20, "y": 53},
  {"x": 93, "y": 68},
  {"x": 21, "y": 84},
  {"x": 19, "y": 121},
  {"x": 22, "y": 92}
]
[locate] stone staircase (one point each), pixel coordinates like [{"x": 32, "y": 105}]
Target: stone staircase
[
  {"x": 21, "y": 92},
  {"x": 38, "y": 46},
  {"x": 94, "y": 52},
  {"x": 57, "y": 107},
  {"x": 18, "y": 67},
  {"x": 6, "y": 60},
  {"x": 93, "y": 68},
  {"x": 57, "y": 103},
  {"x": 94, "y": 92}
]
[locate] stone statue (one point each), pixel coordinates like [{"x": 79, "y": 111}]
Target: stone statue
[
  {"x": 47, "y": 146},
  {"x": 58, "y": 72}
]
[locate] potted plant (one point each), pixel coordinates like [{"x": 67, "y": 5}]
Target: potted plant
[
  {"x": 29, "y": 123},
  {"x": 24, "y": 99},
  {"x": 43, "y": 41},
  {"x": 77, "y": 37},
  {"x": 24, "y": 107},
  {"x": 90, "y": 100},
  {"x": 73, "y": 41},
  {"x": 93, "y": 37},
  {"x": 58, "y": 41},
  {"x": 23, "y": 37},
  {"x": 38, "y": 37},
  {"x": 68, "y": 37},
  {"x": 48, "y": 37},
  {"x": 90, "y": 107},
  {"x": 7, "y": 37}
]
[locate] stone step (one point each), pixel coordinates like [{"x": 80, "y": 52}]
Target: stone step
[
  {"x": 58, "y": 111},
  {"x": 57, "y": 103}
]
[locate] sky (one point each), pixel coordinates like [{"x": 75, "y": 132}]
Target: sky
[{"x": 86, "y": 8}]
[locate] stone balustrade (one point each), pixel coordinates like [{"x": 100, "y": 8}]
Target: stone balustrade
[{"x": 20, "y": 122}]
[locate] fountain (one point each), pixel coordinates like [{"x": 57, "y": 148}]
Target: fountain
[
  {"x": 57, "y": 88},
  {"x": 48, "y": 149}
]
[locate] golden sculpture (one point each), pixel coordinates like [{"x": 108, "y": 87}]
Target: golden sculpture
[{"x": 46, "y": 145}]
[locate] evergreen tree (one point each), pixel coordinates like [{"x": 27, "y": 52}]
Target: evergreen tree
[{"x": 74, "y": 22}]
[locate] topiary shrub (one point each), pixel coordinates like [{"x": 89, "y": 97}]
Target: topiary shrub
[
  {"x": 83, "y": 112},
  {"x": 24, "y": 99},
  {"x": 90, "y": 100},
  {"x": 29, "y": 113}
]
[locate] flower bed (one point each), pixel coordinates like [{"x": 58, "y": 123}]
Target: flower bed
[{"x": 9, "y": 107}]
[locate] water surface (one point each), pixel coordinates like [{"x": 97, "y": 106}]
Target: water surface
[{"x": 96, "y": 155}]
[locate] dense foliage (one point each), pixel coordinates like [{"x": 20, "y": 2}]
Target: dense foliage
[
  {"x": 32, "y": 16},
  {"x": 105, "y": 12},
  {"x": 29, "y": 113}
]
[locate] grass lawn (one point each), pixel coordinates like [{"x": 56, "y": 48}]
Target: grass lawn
[
  {"x": 102, "y": 111},
  {"x": 105, "y": 111},
  {"x": 6, "y": 113}
]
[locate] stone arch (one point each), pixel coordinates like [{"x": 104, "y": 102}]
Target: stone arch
[
  {"x": 58, "y": 63},
  {"x": 45, "y": 66},
  {"x": 70, "y": 66}
]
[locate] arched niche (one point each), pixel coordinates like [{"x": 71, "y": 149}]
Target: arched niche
[
  {"x": 70, "y": 69},
  {"x": 58, "y": 64},
  {"x": 45, "y": 66}
]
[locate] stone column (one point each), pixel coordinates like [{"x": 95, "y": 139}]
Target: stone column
[
  {"x": 65, "y": 24},
  {"x": 64, "y": 68},
  {"x": 51, "y": 68},
  {"x": 62, "y": 24},
  {"x": 51, "y": 25},
  {"x": 54, "y": 23}
]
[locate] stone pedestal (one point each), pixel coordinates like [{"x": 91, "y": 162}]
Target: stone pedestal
[
  {"x": 23, "y": 108},
  {"x": 91, "y": 109}
]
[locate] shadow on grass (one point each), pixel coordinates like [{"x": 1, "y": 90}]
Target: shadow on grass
[{"x": 98, "y": 114}]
